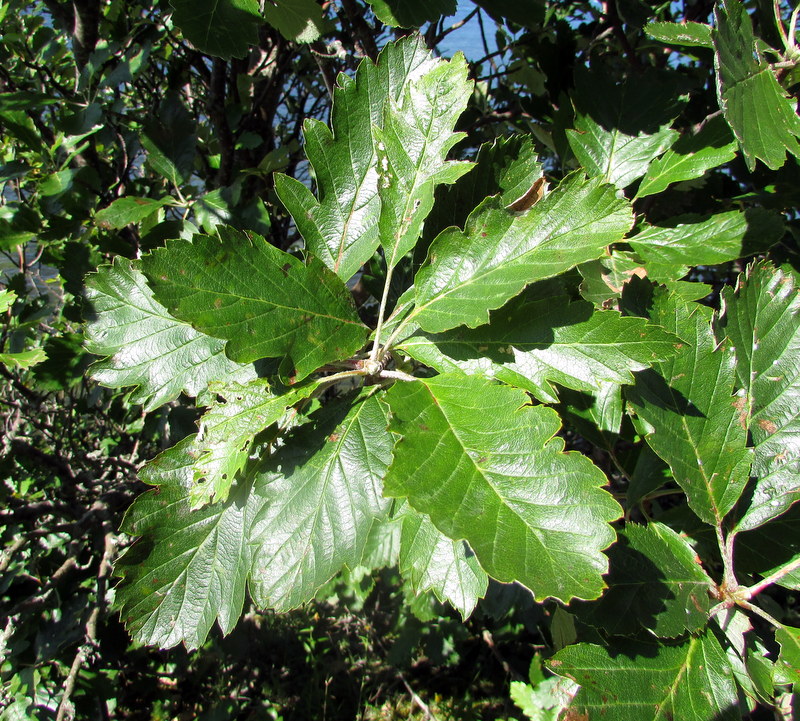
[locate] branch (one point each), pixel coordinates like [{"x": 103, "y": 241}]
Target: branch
[{"x": 785, "y": 570}]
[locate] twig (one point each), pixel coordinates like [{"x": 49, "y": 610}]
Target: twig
[
  {"x": 757, "y": 588},
  {"x": 416, "y": 699}
]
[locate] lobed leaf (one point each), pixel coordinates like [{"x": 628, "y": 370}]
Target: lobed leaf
[
  {"x": 125, "y": 211},
  {"x": 227, "y": 429},
  {"x": 656, "y": 577},
  {"x": 690, "y": 681},
  {"x": 691, "y": 34},
  {"x": 341, "y": 227},
  {"x": 687, "y": 403},
  {"x": 144, "y": 346},
  {"x": 484, "y": 466},
  {"x": 433, "y": 562},
  {"x": 191, "y": 566},
  {"x": 761, "y": 318},
  {"x": 762, "y": 116},
  {"x": 412, "y": 146},
  {"x": 264, "y": 302},
  {"x": 532, "y": 345},
  {"x": 322, "y": 494},
  {"x": 690, "y": 157},
  {"x": 470, "y": 272},
  {"x": 669, "y": 252}
]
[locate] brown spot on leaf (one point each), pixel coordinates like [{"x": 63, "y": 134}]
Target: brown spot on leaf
[
  {"x": 285, "y": 269},
  {"x": 333, "y": 437},
  {"x": 740, "y": 404},
  {"x": 218, "y": 303},
  {"x": 767, "y": 425},
  {"x": 532, "y": 196}
]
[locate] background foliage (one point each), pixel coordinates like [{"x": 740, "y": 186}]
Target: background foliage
[{"x": 669, "y": 153}]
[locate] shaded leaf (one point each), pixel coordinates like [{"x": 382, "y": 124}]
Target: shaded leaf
[
  {"x": 433, "y": 562},
  {"x": 411, "y": 13},
  {"x": 614, "y": 156},
  {"x": 144, "y": 346},
  {"x": 191, "y": 567},
  {"x": 484, "y": 465},
  {"x": 690, "y": 157},
  {"x": 128, "y": 210},
  {"x": 469, "y": 273},
  {"x": 535, "y": 344},
  {"x": 763, "y": 118},
  {"x": 688, "y": 407},
  {"x": 691, "y": 681},
  {"x": 323, "y": 494},
  {"x": 298, "y": 20},
  {"x": 655, "y": 582},
  {"x": 761, "y": 318},
  {"x": 228, "y": 427},
  {"x": 789, "y": 659},
  {"x": 224, "y": 28},
  {"x": 670, "y": 251},
  {"x": 265, "y": 302}
]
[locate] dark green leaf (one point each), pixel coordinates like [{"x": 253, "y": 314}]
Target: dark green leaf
[
  {"x": 533, "y": 345},
  {"x": 692, "y": 681},
  {"x": 670, "y": 251},
  {"x": 483, "y": 464},
  {"x": 145, "y": 345},
  {"x": 763, "y": 118},
  {"x": 225, "y": 28},
  {"x": 657, "y": 579},
  {"x": 789, "y": 658},
  {"x": 297, "y": 20},
  {"x": 265, "y": 302},
  {"x": 411, "y": 13},
  {"x": 690, "y": 157}
]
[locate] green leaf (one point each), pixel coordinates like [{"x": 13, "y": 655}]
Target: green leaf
[
  {"x": 604, "y": 278},
  {"x": 689, "y": 34},
  {"x": 690, "y": 157},
  {"x": 23, "y": 359},
  {"x": 341, "y": 228},
  {"x": 484, "y": 465},
  {"x": 145, "y": 346},
  {"x": 770, "y": 547},
  {"x": 323, "y": 495},
  {"x": 789, "y": 659},
  {"x": 433, "y": 562},
  {"x": 469, "y": 273},
  {"x": 7, "y": 298},
  {"x": 657, "y": 578},
  {"x": 508, "y": 166},
  {"x": 224, "y": 28},
  {"x": 411, "y": 13},
  {"x": 615, "y": 156},
  {"x": 412, "y": 147},
  {"x": 762, "y": 116},
  {"x": 691, "y": 681},
  {"x": 687, "y": 405},
  {"x": 670, "y": 251},
  {"x": 532, "y": 345},
  {"x": 264, "y": 302},
  {"x": 191, "y": 567},
  {"x": 761, "y": 318},
  {"x": 228, "y": 427},
  {"x": 300, "y": 21},
  {"x": 128, "y": 210}
]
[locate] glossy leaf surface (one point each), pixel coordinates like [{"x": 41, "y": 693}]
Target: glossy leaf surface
[
  {"x": 144, "y": 346},
  {"x": 485, "y": 467},
  {"x": 470, "y": 272},
  {"x": 265, "y": 302}
]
